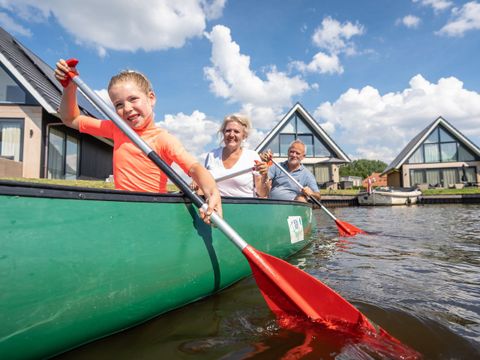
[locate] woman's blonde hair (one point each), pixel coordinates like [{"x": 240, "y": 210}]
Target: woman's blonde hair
[
  {"x": 134, "y": 76},
  {"x": 239, "y": 118}
]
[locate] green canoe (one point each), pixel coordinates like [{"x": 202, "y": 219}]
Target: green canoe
[{"x": 79, "y": 264}]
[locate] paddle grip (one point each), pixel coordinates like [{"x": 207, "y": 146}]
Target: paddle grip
[{"x": 71, "y": 74}]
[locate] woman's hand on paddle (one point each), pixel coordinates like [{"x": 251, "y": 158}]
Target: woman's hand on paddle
[
  {"x": 261, "y": 167},
  {"x": 266, "y": 156}
]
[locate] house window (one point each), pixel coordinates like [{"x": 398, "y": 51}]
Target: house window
[
  {"x": 11, "y": 92},
  {"x": 63, "y": 155},
  {"x": 442, "y": 177},
  {"x": 297, "y": 129},
  {"x": 417, "y": 157},
  {"x": 285, "y": 141},
  {"x": 11, "y": 139},
  {"x": 464, "y": 154},
  {"x": 440, "y": 146},
  {"x": 322, "y": 173}
]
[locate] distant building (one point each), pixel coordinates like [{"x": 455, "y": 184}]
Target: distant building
[
  {"x": 439, "y": 155},
  {"x": 323, "y": 157},
  {"x": 376, "y": 180},
  {"x": 34, "y": 143},
  {"x": 355, "y": 180}
]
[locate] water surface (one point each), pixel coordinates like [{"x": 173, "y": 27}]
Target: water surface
[{"x": 416, "y": 274}]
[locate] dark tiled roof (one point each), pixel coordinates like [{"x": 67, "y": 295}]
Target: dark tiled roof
[{"x": 39, "y": 75}]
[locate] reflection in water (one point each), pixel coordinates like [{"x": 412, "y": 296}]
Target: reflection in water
[{"x": 416, "y": 274}]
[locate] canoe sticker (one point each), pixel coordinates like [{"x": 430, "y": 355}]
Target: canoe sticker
[{"x": 296, "y": 228}]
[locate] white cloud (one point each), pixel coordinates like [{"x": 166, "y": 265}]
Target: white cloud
[
  {"x": 213, "y": 9},
  {"x": 378, "y": 126},
  {"x": 437, "y": 5},
  {"x": 334, "y": 37},
  {"x": 409, "y": 21},
  {"x": 321, "y": 63},
  {"x": 231, "y": 78},
  {"x": 463, "y": 19},
  {"x": 12, "y": 26},
  {"x": 194, "y": 131},
  {"x": 122, "y": 24}
]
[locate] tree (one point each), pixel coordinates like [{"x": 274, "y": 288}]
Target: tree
[{"x": 362, "y": 167}]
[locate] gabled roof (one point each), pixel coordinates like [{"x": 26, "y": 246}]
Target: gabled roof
[
  {"x": 37, "y": 77},
  {"x": 413, "y": 145},
  {"x": 341, "y": 157}
]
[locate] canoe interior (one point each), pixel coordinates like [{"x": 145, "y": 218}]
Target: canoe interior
[{"x": 80, "y": 264}]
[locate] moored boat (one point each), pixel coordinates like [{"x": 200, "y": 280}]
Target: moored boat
[
  {"x": 389, "y": 196},
  {"x": 79, "y": 264}
]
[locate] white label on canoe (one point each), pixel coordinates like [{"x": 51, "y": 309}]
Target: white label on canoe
[{"x": 296, "y": 228}]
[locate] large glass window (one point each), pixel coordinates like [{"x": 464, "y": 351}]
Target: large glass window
[
  {"x": 417, "y": 157},
  {"x": 431, "y": 153},
  {"x": 445, "y": 137},
  {"x": 417, "y": 177},
  {"x": 308, "y": 141},
  {"x": 11, "y": 139},
  {"x": 297, "y": 129},
  {"x": 448, "y": 151},
  {"x": 320, "y": 149},
  {"x": 63, "y": 155},
  {"x": 464, "y": 154},
  {"x": 433, "y": 177},
  {"x": 71, "y": 161},
  {"x": 450, "y": 177},
  {"x": 440, "y": 146},
  {"x": 433, "y": 138},
  {"x": 442, "y": 177},
  {"x": 285, "y": 140},
  {"x": 11, "y": 91}
]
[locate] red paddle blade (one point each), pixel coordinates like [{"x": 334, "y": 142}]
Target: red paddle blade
[
  {"x": 346, "y": 229},
  {"x": 290, "y": 291},
  {"x": 293, "y": 295}
]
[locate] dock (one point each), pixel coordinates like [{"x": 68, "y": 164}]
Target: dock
[{"x": 352, "y": 200}]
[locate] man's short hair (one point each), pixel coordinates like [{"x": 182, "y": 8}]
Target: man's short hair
[{"x": 298, "y": 142}]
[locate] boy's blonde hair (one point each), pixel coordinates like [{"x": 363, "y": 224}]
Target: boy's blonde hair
[
  {"x": 134, "y": 76},
  {"x": 239, "y": 118}
]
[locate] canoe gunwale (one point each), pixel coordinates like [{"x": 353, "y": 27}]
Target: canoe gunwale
[{"x": 16, "y": 188}]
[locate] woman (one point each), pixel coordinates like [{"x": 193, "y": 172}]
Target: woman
[{"x": 232, "y": 157}]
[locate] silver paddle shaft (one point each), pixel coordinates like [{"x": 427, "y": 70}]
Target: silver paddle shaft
[{"x": 301, "y": 188}]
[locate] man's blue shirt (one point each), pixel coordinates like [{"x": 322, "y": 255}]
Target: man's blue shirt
[{"x": 283, "y": 188}]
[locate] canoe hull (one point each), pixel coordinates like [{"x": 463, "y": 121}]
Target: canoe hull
[{"x": 79, "y": 265}]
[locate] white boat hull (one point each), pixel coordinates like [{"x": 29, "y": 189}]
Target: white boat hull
[{"x": 389, "y": 197}]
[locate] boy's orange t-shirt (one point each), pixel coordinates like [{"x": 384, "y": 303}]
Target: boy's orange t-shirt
[{"x": 132, "y": 169}]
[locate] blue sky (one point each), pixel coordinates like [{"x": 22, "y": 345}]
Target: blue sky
[{"x": 373, "y": 73}]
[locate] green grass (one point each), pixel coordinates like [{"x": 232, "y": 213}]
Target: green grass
[
  {"x": 468, "y": 190},
  {"x": 171, "y": 187},
  {"x": 79, "y": 183}
]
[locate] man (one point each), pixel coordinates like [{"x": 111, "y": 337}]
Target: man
[{"x": 281, "y": 187}]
